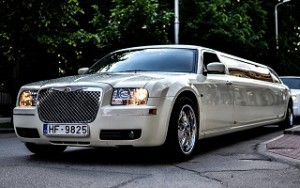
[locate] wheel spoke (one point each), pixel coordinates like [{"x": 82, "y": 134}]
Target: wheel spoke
[{"x": 187, "y": 129}]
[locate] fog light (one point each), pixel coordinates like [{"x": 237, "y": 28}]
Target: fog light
[{"x": 131, "y": 134}]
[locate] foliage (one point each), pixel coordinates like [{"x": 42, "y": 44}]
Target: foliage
[
  {"x": 225, "y": 25},
  {"x": 139, "y": 22},
  {"x": 33, "y": 32},
  {"x": 46, "y": 39},
  {"x": 117, "y": 24},
  {"x": 288, "y": 54}
]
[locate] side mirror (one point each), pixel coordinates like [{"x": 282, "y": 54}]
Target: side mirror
[
  {"x": 82, "y": 70},
  {"x": 216, "y": 68}
]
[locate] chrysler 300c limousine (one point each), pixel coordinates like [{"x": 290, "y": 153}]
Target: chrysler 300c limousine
[{"x": 163, "y": 95}]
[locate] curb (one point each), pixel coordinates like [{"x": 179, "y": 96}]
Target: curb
[
  {"x": 7, "y": 130},
  {"x": 262, "y": 149},
  {"x": 293, "y": 131},
  {"x": 6, "y": 120}
]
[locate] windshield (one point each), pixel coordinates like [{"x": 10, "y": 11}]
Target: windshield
[
  {"x": 292, "y": 83},
  {"x": 160, "y": 59}
]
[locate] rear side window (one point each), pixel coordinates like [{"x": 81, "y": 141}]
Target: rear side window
[
  {"x": 275, "y": 76},
  {"x": 246, "y": 70}
]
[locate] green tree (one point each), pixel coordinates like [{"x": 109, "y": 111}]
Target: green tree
[
  {"x": 288, "y": 52},
  {"x": 139, "y": 22},
  {"x": 32, "y": 35},
  {"x": 46, "y": 39},
  {"x": 116, "y": 24},
  {"x": 236, "y": 27}
]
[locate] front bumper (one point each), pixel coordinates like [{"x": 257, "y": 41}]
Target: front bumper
[{"x": 124, "y": 119}]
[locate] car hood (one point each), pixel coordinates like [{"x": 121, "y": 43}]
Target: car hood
[{"x": 113, "y": 79}]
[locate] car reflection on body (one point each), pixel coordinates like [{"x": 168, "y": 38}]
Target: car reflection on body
[
  {"x": 293, "y": 82},
  {"x": 164, "y": 95}
]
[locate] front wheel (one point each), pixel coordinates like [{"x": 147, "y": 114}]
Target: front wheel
[
  {"x": 45, "y": 149},
  {"x": 289, "y": 118},
  {"x": 183, "y": 129}
]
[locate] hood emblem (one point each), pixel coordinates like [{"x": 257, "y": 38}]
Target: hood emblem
[{"x": 65, "y": 89}]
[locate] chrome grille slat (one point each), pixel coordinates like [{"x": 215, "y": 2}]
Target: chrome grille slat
[{"x": 58, "y": 106}]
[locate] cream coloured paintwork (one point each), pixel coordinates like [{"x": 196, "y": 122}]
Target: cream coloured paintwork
[{"x": 225, "y": 104}]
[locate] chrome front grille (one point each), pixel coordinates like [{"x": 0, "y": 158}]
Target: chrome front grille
[{"x": 68, "y": 105}]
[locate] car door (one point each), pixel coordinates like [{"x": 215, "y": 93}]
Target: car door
[
  {"x": 257, "y": 98},
  {"x": 216, "y": 99}
]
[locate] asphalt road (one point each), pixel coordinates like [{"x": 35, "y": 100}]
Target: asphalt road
[{"x": 226, "y": 161}]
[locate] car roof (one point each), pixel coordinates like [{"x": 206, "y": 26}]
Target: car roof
[
  {"x": 193, "y": 47},
  {"x": 289, "y": 76},
  {"x": 182, "y": 46}
]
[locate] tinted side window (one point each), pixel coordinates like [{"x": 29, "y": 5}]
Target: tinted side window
[
  {"x": 246, "y": 70},
  {"x": 209, "y": 58},
  {"x": 275, "y": 76}
]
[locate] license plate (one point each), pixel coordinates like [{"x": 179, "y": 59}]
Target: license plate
[{"x": 74, "y": 130}]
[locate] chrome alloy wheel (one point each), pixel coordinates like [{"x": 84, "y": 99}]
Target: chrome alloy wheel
[{"x": 187, "y": 129}]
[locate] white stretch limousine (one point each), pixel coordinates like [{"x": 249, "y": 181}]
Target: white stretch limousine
[{"x": 164, "y": 95}]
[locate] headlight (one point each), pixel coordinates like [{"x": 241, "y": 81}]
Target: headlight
[
  {"x": 129, "y": 96},
  {"x": 27, "y": 98},
  {"x": 294, "y": 97}
]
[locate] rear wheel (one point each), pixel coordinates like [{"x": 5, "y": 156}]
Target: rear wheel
[
  {"x": 45, "y": 149},
  {"x": 183, "y": 129},
  {"x": 289, "y": 118}
]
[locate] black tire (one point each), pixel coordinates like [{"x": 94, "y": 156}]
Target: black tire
[
  {"x": 289, "y": 118},
  {"x": 182, "y": 135},
  {"x": 45, "y": 149}
]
